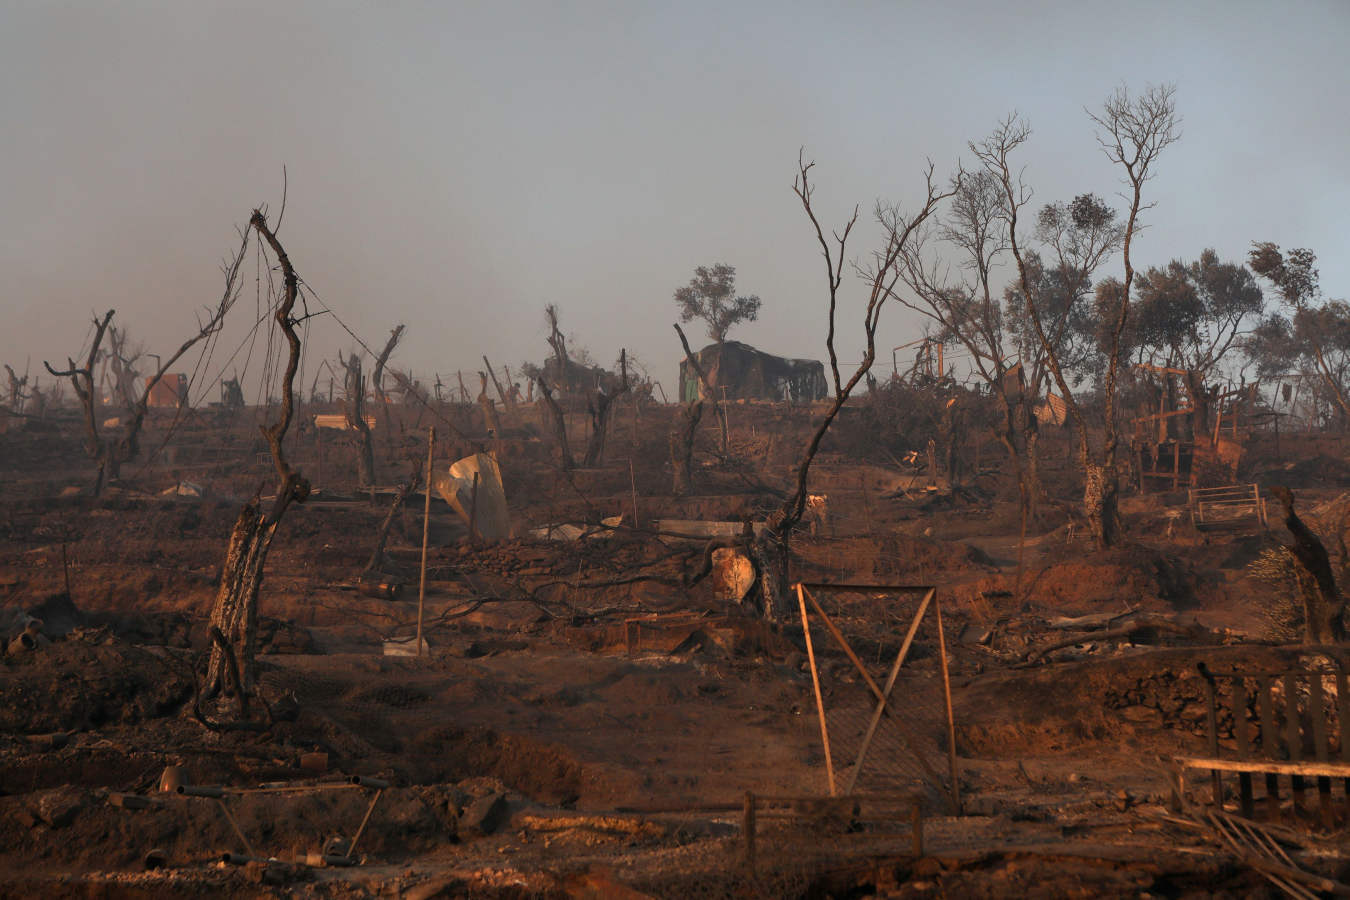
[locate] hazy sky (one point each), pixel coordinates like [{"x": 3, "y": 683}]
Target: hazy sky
[{"x": 455, "y": 166}]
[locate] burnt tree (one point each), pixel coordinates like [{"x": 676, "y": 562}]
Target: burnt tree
[
  {"x": 377, "y": 375},
  {"x": 355, "y": 409},
  {"x": 556, "y": 422},
  {"x": 234, "y": 616},
  {"x": 686, "y": 425},
  {"x": 600, "y": 405},
  {"x": 1323, "y": 606},
  {"x": 770, "y": 550},
  {"x": 110, "y": 452},
  {"x": 17, "y": 394}
]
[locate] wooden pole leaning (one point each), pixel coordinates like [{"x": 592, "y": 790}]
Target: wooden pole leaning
[
  {"x": 867, "y": 677},
  {"x": 426, "y": 528},
  {"x": 947, "y": 697},
  {"x": 815, "y": 683}
]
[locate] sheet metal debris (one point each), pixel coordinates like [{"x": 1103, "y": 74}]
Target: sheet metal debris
[{"x": 480, "y": 501}]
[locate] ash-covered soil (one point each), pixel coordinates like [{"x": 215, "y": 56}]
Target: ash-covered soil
[{"x": 587, "y": 723}]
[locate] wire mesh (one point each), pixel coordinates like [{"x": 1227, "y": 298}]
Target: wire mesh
[{"x": 907, "y": 750}]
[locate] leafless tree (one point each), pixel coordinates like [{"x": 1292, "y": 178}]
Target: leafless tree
[
  {"x": 17, "y": 393},
  {"x": 355, "y": 409},
  {"x": 109, "y": 453},
  {"x": 234, "y": 616},
  {"x": 686, "y": 425},
  {"x": 377, "y": 376},
  {"x": 121, "y": 358},
  {"x": 556, "y": 340},
  {"x": 376, "y": 563},
  {"x": 599, "y": 405},
  {"x": 881, "y": 275},
  {"x": 707, "y": 391},
  {"x": 557, "y": 421}
]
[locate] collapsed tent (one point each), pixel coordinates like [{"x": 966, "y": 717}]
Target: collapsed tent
[{"x": 740, "y": 372}]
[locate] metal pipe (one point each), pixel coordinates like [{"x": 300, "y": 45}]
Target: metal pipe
[
  {"x": 367, "y": 781},
  {"x": 426, "y": 527},
  {"x": 191, "y": 790},
  {"x": 351, "y": 851}
]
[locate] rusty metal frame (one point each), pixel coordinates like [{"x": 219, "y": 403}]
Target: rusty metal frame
[
  {"x": 351, "y": 783},
  {"x": 881, "y": 694}
]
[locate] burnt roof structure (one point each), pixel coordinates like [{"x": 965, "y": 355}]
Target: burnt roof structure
[{"x": 740, "y": 372}]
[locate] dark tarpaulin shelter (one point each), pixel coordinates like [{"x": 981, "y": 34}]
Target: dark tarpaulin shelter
[{"x": 750, "y": 374}]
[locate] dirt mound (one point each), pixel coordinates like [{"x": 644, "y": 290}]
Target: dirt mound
[
  {"x": 541, "y": 771},
  {"x": 89, "y": 680},
  {"x": 76, "y": 827},
  {"x": 1142, "y": 577}
]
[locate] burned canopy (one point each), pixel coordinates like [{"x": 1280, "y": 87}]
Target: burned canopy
[{"x": 749, "y": 374}]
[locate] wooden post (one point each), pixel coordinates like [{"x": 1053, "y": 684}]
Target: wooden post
[
  {"x": 1343, "y": 717},
  {"x": 947, "y": 697},
  {"x": 1294, "y": 736},
  {"x": 426, "y": 528},
  {"x": 1240, "y": 735},
  {"x": 1317, "y": 712},
  {"x": 815, "y": 683},
  {"x": 871, "y": 682},
  {"x": 632, "y": 483},
  {"x": 1211, "y": 716},
  {"x": 1270, "y": 742}
]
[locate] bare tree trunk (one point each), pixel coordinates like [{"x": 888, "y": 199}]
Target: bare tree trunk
[
  {"x": 503, "y": 394},
  {"x": 1324, "y": 609},
  {"x": 235, "y": 612},
  {"x": 600, "y": 406},
  {"x": 771, "y": 554},
  {"x": 770, "y": 551},
  {"x": 682, "y": 447},
  {"x": 377, "y": 376},
  {"x": 376, "y": 563},
  {"x": 1100, "y": 494},
  {"x": 356, "y": 419},
  {"x": 559, "y": 424}
]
